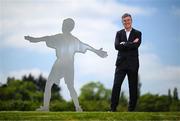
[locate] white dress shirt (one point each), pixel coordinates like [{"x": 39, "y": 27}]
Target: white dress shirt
[{"x": 128, "y": 33}]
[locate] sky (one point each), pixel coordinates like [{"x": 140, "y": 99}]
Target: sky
[{"x": 96, "y": 23}]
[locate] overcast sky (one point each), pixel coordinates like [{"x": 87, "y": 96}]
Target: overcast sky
[{"x": 96, "y": 23}]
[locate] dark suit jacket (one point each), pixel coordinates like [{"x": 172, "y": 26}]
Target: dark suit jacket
[{"x": 127, "y": 53}]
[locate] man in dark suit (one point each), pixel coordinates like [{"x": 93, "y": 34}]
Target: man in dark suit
[{"x": 127, "y": 42}]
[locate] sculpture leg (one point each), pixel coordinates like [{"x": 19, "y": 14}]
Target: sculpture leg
[
  {"x": 74, "y": 97},
  {"x": 47, "y": 96},
  {"x": 70, "y": 84},
  {"x": 54, "y": 77},
  {"x": 47, "y": 93}
]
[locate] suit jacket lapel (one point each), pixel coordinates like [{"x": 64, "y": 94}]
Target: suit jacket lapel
[{"x": 124, "y": 35}]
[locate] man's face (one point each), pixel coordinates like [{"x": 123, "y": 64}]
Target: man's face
[{"x": 127, "y": 22}]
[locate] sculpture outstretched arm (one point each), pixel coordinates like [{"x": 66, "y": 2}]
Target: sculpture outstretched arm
[
  {"x": 100, "y": 52},
  {"x": 38, "y": 39}
]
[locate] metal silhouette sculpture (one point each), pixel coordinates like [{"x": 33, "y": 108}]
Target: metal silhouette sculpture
[{"x": 66, "y": 45}]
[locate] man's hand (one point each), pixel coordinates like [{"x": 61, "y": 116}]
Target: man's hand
[
  {"x": 136, "y": 40},
  {"x": 122, "y": 43},
  {"x": 101, "y": 53}
]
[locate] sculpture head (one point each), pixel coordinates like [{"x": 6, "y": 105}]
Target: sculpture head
[{"x": 68, "y": 25}]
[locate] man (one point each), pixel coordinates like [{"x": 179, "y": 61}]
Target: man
[
  {"x": 127, "y": 42},
  {"x": 66, "y": 45}
]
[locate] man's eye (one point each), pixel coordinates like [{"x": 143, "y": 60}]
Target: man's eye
[{"x": 126, "y": 20}]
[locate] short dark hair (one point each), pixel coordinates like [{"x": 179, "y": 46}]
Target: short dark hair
[{"x": 126, "y": 15}]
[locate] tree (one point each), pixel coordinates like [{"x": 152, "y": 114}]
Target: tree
[
  {"x": 95, "y": 97},
  {"x": 40, "y": 85},
  {"x": 153, "y": 103},
  {"x": 175, "y": 105},
  {"x": 95, "y": 91},
  {"x": 169, "y": 96},
  {"x": 123, "y": 102},
  {"x": 175, "y": 94},
  {"x": 25, "y": 94},
  {"x": 139, "y": 86}
]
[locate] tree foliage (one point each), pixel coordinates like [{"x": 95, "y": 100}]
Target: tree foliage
[{"x": 27, "y": 94}]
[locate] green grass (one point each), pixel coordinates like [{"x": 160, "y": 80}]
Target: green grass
[{"x": 90, "y": 116}]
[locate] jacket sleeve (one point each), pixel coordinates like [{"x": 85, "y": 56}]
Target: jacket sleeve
[
  {"x": 131, "y": 45},
  {"x": 117, "y": 44}
]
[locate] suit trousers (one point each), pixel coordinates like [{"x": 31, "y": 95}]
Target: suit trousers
[{"x": 120, "y": 73}]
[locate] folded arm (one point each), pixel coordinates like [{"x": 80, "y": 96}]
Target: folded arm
[
  {"x": 117, "y": 44},
  {"x": 126, "y": 45},
  {"x": 135, "y": 44}
]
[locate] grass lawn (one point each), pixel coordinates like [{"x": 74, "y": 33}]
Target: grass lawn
[{"x": 90, "y": 116}]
